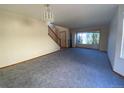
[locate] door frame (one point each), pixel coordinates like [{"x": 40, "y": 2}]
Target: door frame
[{"x": 65, "y": 38}]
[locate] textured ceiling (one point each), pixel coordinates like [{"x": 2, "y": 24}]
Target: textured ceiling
[{"x": 69, "y": 15}]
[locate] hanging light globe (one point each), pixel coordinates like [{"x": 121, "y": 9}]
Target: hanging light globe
[{"x": 48, "y": 16}]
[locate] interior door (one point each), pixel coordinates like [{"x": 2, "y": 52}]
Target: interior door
[{"x": 63, "y": 39}]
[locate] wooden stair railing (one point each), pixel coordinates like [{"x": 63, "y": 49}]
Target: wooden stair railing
[{"x": 54, "y": 36}]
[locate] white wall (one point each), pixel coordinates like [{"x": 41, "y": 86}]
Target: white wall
[
  {"x": 115, "y": 40},
  {"x": 103, "y": 35},
  {"x": 112, "y": 39},
  {"x": 23, "y": 38}
]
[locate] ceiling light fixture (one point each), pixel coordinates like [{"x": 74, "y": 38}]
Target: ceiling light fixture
[{"x": 48, "y": 16}]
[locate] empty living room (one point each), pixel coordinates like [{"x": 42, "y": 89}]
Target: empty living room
[{"x": 61, "y": 45}]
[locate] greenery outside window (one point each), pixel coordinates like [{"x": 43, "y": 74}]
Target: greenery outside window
[{"x": 89, "y": 38}]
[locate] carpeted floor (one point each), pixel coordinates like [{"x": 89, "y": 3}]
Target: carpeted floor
[{"x": 74, "y": 67}]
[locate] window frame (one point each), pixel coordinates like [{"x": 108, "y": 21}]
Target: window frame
[
  {"x": 97, "y": 31},
  {"x": 122, "y": 42}
]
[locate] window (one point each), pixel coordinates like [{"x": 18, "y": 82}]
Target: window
[
  {"x": 89, "y": 38},
  {"x": 122, "y": 43}
]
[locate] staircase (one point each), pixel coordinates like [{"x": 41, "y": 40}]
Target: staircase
[{"x": 52, "y": 32}]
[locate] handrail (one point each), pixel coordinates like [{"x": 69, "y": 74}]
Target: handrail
[
  {"x": 53, "y": 32},
  {"x": 55, "y": 36}
]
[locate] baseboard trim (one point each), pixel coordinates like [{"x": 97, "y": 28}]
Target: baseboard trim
[
  {"x": 118, "y": 74},
  {"x": 115, "y": 71},
  {"x": 28, "y": 60}
]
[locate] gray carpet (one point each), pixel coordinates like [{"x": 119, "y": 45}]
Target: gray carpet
[{"x": 74, "y": 67}]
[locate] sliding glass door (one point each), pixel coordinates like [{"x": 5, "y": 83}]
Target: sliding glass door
[{"x": 88, "y": 39}]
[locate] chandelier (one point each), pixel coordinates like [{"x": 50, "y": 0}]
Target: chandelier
[{"x": 48, "y": 16}]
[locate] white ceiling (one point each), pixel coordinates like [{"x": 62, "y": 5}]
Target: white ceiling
[{"x": 69, "y": 15}]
